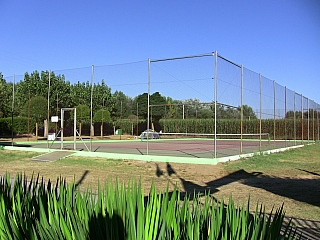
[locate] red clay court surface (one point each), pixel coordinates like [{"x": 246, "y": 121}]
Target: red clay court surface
[{"x": 195, "y": 148}]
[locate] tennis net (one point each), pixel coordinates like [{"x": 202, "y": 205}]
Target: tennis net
[{"x": 211, "y": 136}]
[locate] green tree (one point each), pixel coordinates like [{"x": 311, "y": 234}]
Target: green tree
[
  {"x": 232, "y": 113},
  {"x": 83, "y": 113},
  {"x": 155, "y": 99},
  {"x": 102, "y": 97},
  {"x": 60, "y": 93},
  {"x": 291, "y": 114},
  {"x": 80, "y": 93},
  {"x": 170, "y": 109},
  {"x": 102, "y": 115},
  {"x": 37, "y": 84},
  {"x": 5, "y": 97},
  {"x": 38, "y": 108},
  {"x": 123, "y": 105},
  {"x": 158, "y": 112},
  {"x": 142, "y": 102},
  {"x": 205, "y": 112},
  {"x": 248, "y": 112}
]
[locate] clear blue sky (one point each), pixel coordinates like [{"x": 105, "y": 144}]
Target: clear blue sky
[{"x": 278, "y": 38}]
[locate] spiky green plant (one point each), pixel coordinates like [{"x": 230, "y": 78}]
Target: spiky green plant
[{"x": 35, "y": 209}]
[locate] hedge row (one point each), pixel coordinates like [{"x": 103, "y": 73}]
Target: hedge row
[
  {"x": 279, "y": 128},
  {"x": 21, "y": 125}
]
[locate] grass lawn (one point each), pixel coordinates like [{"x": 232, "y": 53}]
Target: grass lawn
[{"x": 291, "y": 177}]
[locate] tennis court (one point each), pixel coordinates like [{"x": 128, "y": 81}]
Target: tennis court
[{"x": 174, "y": 145}]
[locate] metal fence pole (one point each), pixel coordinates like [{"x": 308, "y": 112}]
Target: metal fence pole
[
  {"x": 308, "y": 119},
  {"x": 302, "y": 119},
  {"x": 308, "y": 115},
  {"x": 241, "y": 102},
  {"x": 260, "y": 78},
  {"x": 274, "y": 112},
  {"x": 91, "y": 110},
  {"x": 215, "y": 101},
  {"x": 285, "y": 119},
  {"x": 294, "y": 119},
  {"x": 12, "y": 110},
  {"x": 48, "y": 116},
  {"x": 75, "y": 129},
  {"x": 318, "y": 109},
  {"x": 313, "y": 130},
  {"x": 62, "y": 128},
  {"x": 148, "y": 120},
  {"x": 137, "y": 119}
]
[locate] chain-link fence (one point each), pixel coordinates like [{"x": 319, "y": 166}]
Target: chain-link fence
[
  {"x": 203, "y": 106},
  {"x": 249, "y": 112}
]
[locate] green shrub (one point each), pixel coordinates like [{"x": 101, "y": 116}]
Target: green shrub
[{"x": 20, "y": 125}]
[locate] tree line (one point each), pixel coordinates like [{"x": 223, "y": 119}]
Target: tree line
[{"x": 31, "y": 100}]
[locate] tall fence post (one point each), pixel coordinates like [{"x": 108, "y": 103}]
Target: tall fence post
[
  {"x": 302, "y": 123},
  {"x": 215, "y": 101},
  {"x": 91, "y": 110},
  {"x": 148, "y": 118},
  {"x": 294, "y": 120},
  {"x": 12, "y": 109},
  {"x": 313, "y": 129},
  {"x": 274, "y": 112},
  {"x": 308, "y": 115},
  {"x": 285, "y": 119},
  {"x": 241, "y": 100},
  {"x": 318, "y": 109},
  {"x": 48, "y": 113},
  {"x": 260, "y": 122}
]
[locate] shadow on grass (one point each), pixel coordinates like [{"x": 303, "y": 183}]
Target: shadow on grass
[{"x": 303, "y": 190}]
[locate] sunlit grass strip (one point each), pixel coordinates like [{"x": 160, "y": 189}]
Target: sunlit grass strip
[{"x": 33, "y": 209}]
